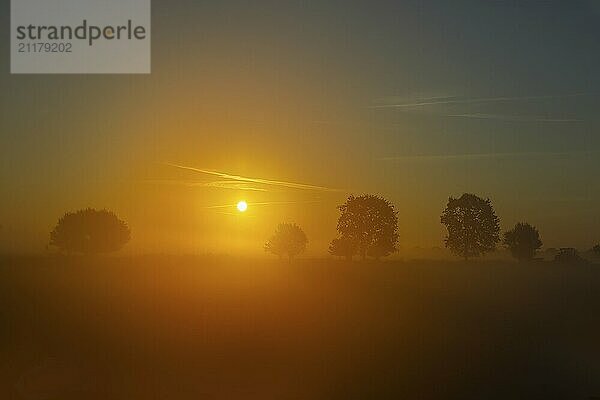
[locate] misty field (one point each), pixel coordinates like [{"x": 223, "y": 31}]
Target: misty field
[{"x": 227, "y": 328}]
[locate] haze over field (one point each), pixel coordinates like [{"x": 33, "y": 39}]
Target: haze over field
[{"x": 209, "y": 327}]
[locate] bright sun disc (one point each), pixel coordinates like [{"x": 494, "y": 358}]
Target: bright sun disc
[{"x": 242, "y": 206}]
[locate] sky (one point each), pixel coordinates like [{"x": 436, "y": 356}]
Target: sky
[{"x": 308, "y": 102}]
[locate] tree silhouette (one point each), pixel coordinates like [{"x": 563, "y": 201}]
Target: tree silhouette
[
  {"x": 596, "y": 249},
  {"x": 381, "y": 249},
  {"x": 90, "y": 232},
  {"x": 288, "y": 240},
  {"x": 569, "y": 255},
  {"x": 370, "y": 224},
  {"x": 523, "y": 241},
  {"x": 342, "y": 247},
  {"x": 473, "y": 227}
]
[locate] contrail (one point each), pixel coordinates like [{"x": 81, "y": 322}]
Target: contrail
[
  {"x": 261, "y": 181},
  {"x": 235, "y": 214},
  {"x": 265, "y": 203},
  {"x": 478, "y": 100},
  {"x": 510, "y": 118},
  {"x": 235, "y": 185},
  {"x": 415, "y": 99},
  {"x": 484, "y": 155}
]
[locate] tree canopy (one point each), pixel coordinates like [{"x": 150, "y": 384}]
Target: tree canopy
[
  {"x": 288, "y": 240},
  {"x": 342, "y": 247},
  {"x": 473, "y": 227},
  {"x": 523, "y": 241},
  {"x": 368, "y": 225},
  {"x": 90, "y": 231}
]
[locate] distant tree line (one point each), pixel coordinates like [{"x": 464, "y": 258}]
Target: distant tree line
[{"x": 367, "y": 227}]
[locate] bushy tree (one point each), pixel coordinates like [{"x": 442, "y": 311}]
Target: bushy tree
[
  {"x": 288, "y": 240},
  {"x": 473, "y": 227},
  {"x": 90, "y": 231},
  {"x": 523, "y": 241},
  {"x": 381, "y": 249},
  {"x": 368, "y": 225},
  {"x": 596, "y": 249},
  {"x": 342, "y": 247}
]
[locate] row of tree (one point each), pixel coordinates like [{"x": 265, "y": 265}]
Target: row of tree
[{"x": 368, "y": 227}]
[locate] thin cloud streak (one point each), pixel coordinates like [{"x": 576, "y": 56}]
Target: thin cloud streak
[
  {"x": 477, "y": 100},
  {"x": 260, "y": 181},
  {"x": 233, "y": 185},
  {"x": 510, "y": 118},
  {"x": 414, "y": 99},
  {"x": 483, "y": 156},
  {"x": 264, "y": 203},
  {"x": 235, "y": 214}
]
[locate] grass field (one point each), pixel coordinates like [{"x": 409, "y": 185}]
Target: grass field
[{"x": 225, "y": 328}]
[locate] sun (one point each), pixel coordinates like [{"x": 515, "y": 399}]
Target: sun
[{"x": 242, "y": 206}]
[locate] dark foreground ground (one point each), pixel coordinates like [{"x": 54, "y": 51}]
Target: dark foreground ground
[{"x": 210, "y": 328}]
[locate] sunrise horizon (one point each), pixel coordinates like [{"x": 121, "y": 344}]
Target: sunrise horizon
[{"x": 304, "y": 200}]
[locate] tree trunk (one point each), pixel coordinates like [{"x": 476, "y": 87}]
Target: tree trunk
[{"x": 466, "y": 251}]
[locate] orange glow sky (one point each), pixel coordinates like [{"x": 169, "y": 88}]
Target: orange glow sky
[{"x": 412, "y": 100}]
